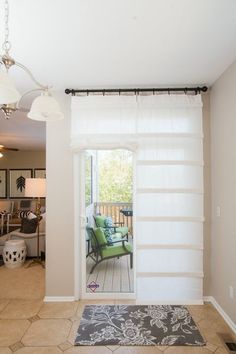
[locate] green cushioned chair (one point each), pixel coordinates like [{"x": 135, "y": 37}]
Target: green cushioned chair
[
  {"x": 122, "y": 230},
  {"x": 101, "y": 250}
]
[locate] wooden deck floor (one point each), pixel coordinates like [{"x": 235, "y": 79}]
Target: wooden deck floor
[{"x": 113, "y": 275}]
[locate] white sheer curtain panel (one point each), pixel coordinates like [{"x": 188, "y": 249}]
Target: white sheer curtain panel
[{"x": 165, "y": 131}]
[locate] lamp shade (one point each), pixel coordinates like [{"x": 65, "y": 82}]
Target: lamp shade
[
  {"x": 45, "y": 108},
  {"x": 35, "y": 187},
  {"x": 8, "y": 92}
]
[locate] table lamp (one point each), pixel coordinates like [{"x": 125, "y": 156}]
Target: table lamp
[{"x": 36, "y": 188}]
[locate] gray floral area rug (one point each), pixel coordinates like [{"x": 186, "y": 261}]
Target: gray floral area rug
[{"x": 137, "y": 325}]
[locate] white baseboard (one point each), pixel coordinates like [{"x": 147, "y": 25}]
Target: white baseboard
[
  {"x": 226, "y": 317},
  {"x": 59, "y": 298},
  {"x": 108, "y": 296}
]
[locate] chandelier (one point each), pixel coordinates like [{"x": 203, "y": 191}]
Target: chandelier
[{"x": 44, "y": 107}]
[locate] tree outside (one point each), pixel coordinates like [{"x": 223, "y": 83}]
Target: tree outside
[{"x": 115, "y": 176}]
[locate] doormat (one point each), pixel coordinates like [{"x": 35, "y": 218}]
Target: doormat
[{"x": 137, "y": 325}]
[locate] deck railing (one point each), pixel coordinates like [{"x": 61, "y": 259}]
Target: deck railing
[{"x": 114, "y": 210}]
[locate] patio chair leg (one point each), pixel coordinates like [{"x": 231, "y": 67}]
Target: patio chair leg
[
  {"x": 131, "y": 260},
  {"x": 95, "y": 265}
]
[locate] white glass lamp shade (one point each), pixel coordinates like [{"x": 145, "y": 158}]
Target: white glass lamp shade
[
  {"x": 8, "y": 92},
  {"x": 45, "y": 108},
  {"x": 35, "y": 187}
]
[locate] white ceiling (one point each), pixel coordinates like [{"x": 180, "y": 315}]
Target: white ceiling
[{"x": 125, "y": 43}]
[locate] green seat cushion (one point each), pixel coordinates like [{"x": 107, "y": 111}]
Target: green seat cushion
[
  {"x": 122, "y": 230},
  {"x": 101, "y": 238},
  {"x": 100, "y": 221},
  {"x": 116, "y": 250},
  {"x": 117, "y": 236}
]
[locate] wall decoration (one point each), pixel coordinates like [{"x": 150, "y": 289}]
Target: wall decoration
[
  {"x": 3, "y": 183},
  {"x": 17, "y": 182},
  {"x": 39, "y": 173}
]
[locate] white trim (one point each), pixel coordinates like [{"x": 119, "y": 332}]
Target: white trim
[
  {"x": 169, "y": 274},
  {"x": 134, "y": 222},
  {"x": 170, "y": 218},
  {"x": 169, "y": 190},
  {"x": 169, "y": 302},
  {"x": 225, "y": 316},
  {"x": 108, "y": 296},
  {"x": 169, "y": 162},
  {"x": 59, "y": 298},
  {"x": 84, "y": 295},
  {"x": 147, "y": 246},
  {"x": 82, "y": 213},
  {"x": 76, "y": 227}
]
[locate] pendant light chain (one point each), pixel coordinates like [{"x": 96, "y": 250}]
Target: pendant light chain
[
  {"x": 6, "y": 45},
  {"x": 44, "y": 107}
]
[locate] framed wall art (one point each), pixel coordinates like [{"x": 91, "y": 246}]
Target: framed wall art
[
  {"x": 3, "y": 183},
  {"x": 17, "y": 182},
  {"x": 39, "y": 173}
]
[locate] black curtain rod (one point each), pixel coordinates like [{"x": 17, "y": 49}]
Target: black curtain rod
[{"x": 196, "y": 90}]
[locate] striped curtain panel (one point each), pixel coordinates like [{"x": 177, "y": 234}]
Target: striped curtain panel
[{"x": 165, "y": 131}]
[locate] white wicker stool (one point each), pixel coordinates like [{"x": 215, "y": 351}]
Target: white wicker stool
[{"x": 14, "y": 253}]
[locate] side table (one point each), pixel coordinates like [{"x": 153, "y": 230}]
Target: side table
[{"x": 14, "y": 253}]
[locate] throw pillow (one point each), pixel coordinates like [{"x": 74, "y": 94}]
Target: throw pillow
[
  {"x": 23, "y": 213},
  {"x": 31, "y": 216},
  {"x": 100, "y": 236},
  {"x": 108, "y": 230},
  {"x": 28, "y": 226},
  {"x": 99, "y": 219}
]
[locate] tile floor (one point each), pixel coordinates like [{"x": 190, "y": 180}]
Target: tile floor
[{"x": 29, "y": 326}]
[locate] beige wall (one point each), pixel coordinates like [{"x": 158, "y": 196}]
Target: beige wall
[
  {"x": 223, "y": 137},
  {"x": 60, "y": 208},
  {"x": 60, "y": 204},
  {"x": 23, "y": 159}
]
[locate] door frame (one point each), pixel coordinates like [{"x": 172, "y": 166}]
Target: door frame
[{"x": 79, "y": 231}]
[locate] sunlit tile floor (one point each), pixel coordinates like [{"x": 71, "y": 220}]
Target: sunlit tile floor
[{"x": 29, "y": 326}]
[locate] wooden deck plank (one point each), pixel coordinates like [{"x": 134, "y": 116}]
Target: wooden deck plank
[
  {"x": 131, "y": 276},
  {"x": 125, "y": 287},
  {"x": 101, "y": 272},
  {"x": 113, "y": 275},
  {"x": 107, "y": 287},
  {"x": 116, "y": 276}
]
